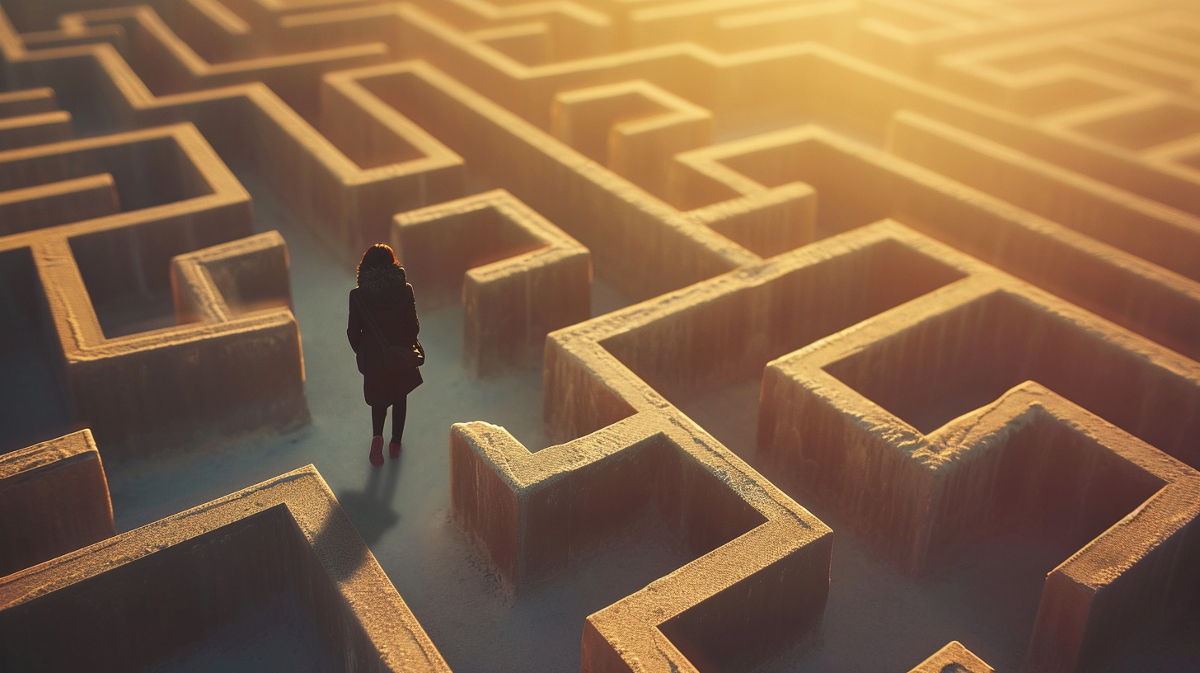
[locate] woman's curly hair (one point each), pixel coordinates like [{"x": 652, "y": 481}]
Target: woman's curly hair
[{"x": 379, "y": 259}]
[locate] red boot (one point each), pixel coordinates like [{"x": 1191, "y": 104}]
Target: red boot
[
  {"x": 377, "y": 450},
  {"x": 394, "y": 449}
]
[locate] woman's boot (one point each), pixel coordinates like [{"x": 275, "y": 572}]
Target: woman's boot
[{"x": 377, "y": 450}]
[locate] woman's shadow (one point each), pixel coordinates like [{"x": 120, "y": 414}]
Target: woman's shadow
[{"x": 371, "y": 509}]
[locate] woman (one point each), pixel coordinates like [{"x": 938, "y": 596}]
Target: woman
[{"x": 383, "y": 307}]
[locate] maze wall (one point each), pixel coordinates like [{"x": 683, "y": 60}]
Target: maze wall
[{"x": 951, "y": 247}]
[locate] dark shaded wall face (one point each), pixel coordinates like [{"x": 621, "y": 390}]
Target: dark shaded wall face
[
  {"x": 57, "y": 498},
  {"x": 33, "y": 400},
  {"x": 258, "y": 570}
]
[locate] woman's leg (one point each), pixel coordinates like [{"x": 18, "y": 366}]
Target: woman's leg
[
  {"x": 378, "y": 416},
  {"x": 399, "y": 413}
]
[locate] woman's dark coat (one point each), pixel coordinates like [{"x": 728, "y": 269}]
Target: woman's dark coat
[{"x": 391, "y": 301}]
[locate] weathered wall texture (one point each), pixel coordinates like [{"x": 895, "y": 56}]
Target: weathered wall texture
[
  {"x": 102, "y": 219},
  {"x": 520, "y": 276},
  {"x": 54, "y": 498},
  {"x": 142, "y": 597}
]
